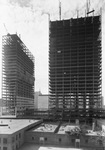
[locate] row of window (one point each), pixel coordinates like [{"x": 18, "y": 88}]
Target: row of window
[
  {"x": 60, "y": 140},
  {"x": 5, "y": 140},
  {"x": 45, "y": 139}
]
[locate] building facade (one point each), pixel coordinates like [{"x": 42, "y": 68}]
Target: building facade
[
  {"x": 75, "y": 65},
  {"x": 17, "y": 74},
  {"x": 41, "y": 101}
]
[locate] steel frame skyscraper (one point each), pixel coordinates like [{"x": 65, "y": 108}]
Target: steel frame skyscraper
[
  {"x": 17, "y": 74},
  {"x": 75, "y": 66}
]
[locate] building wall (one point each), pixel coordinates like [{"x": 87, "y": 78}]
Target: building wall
[
  {"x": 41, "y": 101},
  {"x": 12, "y": 142},
  {"x": 36, "y": 100},
  {"x": 49, "y": 138},
  {"x": 62, "y": 139}
]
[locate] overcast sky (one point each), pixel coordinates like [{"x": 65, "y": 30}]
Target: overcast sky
[{"x": 29, "y": 19}]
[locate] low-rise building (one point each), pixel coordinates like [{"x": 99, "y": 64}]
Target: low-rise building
[
  {"x": 41, "y": 101},
  {"x": 12, "y": 132},
  {"x": 17, "y": 132}
]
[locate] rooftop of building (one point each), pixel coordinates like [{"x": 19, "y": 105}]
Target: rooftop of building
[
  {"x": 39, "y": 93},
  {"x": 74, "y": 20},
  {"x": 69, "y": 128},
  {"x": 64, "y": 128},
  {"x": 45, "y": 127},
  {"x": 14, "y": 37},
  {"x": 10, "y": 126}
]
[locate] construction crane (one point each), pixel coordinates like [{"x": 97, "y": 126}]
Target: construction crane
[{"x": 6, "y": 29}]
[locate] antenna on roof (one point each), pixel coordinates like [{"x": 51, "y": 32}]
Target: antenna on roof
[{"x": 59, "y": 10}]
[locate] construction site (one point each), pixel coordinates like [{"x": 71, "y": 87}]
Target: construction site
[
  {"x": 75, "y": 70},
  {"x": 75, "y": 117},
  {"x": 67, "y": 134},
  {"x": 17, "y": 75}
]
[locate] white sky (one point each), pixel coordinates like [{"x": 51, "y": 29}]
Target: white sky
[{"x": 28, "y": 18}]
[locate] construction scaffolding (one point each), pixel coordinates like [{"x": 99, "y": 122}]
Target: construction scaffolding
[
  {"x": 75, "y": 67},
  {"x": 17, "y": 74}
]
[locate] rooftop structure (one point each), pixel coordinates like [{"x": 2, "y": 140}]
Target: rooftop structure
[
  {"x": 75, "y": 67},
  {"x": 17, "y": 74}
]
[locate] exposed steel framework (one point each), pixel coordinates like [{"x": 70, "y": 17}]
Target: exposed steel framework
[
  {"x": 17, "y": 73},
  {"x": 75, "y": 66}
]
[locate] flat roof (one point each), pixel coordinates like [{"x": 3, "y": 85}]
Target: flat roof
[
  {"x": 45, "y": 127},
  {"x": 10, "y": 126},
  {"x": 64, "y": 128}
]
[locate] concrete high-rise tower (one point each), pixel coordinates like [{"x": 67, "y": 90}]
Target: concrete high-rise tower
[
  {"x": 17, "y": 74},
  {"x": 75, "y": 66}
]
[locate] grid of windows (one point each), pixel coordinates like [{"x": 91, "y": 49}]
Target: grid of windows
[{"x": 18, "y": 71}]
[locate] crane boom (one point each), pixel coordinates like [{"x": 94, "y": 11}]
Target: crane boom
[{"x": 5, "y": 28}]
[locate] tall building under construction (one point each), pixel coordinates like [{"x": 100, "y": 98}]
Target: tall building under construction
[
  {"x": 17, "y": 74},
  {"x": 75, "y": 66}
]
